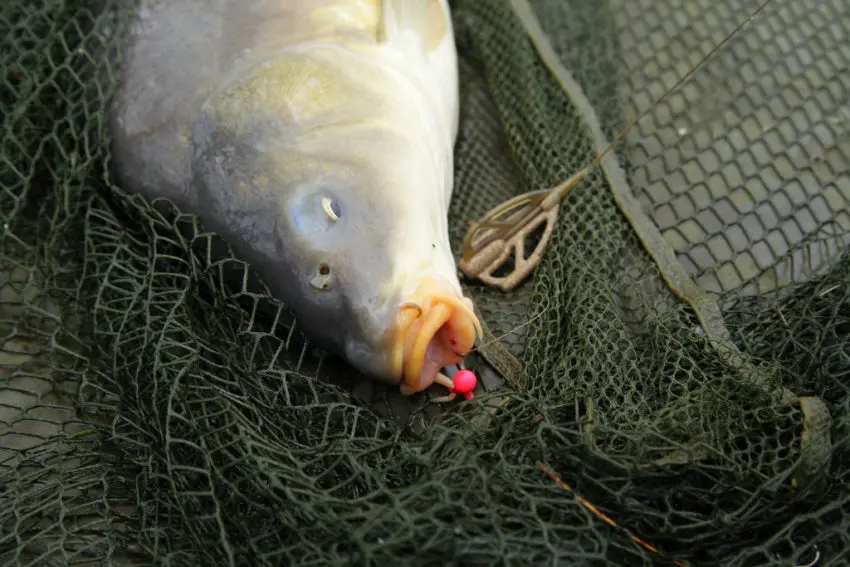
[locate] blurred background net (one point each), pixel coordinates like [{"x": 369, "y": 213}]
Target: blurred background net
[{"x": 156, "y": 409}]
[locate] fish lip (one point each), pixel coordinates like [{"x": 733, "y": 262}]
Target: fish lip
[
  {"x": 420, "y": 320},
  {"x": 419, "y": 340}
]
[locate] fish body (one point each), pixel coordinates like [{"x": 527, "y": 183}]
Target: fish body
[{"x": 316, "y": 137}]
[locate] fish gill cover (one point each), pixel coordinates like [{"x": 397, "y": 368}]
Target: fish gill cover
[{"x": 682, "y": 361}]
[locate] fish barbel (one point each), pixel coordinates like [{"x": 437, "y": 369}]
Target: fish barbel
[{"x": 316, "y": 138}]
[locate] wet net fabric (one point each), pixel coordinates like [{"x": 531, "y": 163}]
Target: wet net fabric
[{"x": 680, "y": 358}]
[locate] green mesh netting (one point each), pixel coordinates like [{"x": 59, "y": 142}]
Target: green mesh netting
[{"x": 682, "y": 361}]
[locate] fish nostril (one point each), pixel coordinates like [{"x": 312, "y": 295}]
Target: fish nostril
[{"x": 322, "y": 281}]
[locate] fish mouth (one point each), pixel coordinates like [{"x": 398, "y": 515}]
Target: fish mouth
[{"x": 435, "y": 328}]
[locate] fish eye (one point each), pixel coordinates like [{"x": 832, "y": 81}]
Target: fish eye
[
  {"x": 313, "y": 214},
  {"x": 331, "y": 209}
]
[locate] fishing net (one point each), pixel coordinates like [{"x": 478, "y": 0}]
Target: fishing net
[{"x": 680, "y": 358}]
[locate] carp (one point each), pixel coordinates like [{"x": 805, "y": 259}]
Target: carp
[{"x": 316, "y": 137}]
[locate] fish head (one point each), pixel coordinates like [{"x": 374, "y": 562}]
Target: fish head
[
  {"x": 330, "y": 169},
  {"x": 364, "y": 229}
]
